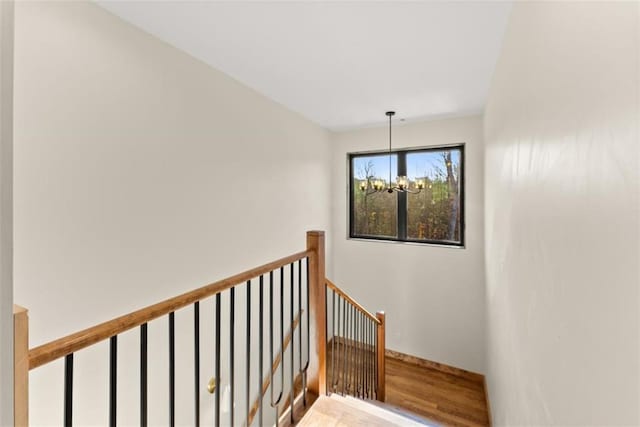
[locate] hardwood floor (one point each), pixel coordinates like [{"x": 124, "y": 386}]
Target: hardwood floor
[
  {"x": 436, "y": 393},
  {"x": 444, "y": 399}
]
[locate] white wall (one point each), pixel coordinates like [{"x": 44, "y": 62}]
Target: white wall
[
  {"x": 562, "y": 217},
  {"x": 141, "y": 173},
  {"x": 6, "y": 213},
  {"x": 433, "y": 296}
]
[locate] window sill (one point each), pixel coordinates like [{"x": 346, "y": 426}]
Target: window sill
[{"x": 401, "y": 242}]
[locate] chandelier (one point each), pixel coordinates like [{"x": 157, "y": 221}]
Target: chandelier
[{"x": 402, "y": 182}]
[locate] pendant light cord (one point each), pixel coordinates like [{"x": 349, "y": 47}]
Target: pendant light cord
[{"x": 390, "y": 115}]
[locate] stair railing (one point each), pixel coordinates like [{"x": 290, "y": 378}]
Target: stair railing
[
  {"x": 356, "y": 347},
  {"x": 295, "y": 283}
]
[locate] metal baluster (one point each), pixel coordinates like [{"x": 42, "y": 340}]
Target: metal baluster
[
  {"x": 196, "y": 360},
  {"x": 304, "y": 370},
  {"x": 291, "y": 296},
  {"x": 172, "y": 370},
  {"x": 217, "y": 365},
  {"x": 375, "y": 379},
  {"x": 361, "y": 360},
  {"x": 369, "y": 359},
  {"x": 143, "y": 375},
  {"x": 356, "y": 363},
  {"x": 274, "y": 402},
  {"x": 232, "y": 314},
  {"x": 362, "y": 355},
  {"x": 344, "y": 346},
  {"x": 113, "y": 379},
  {"x": 365, "y": 357},
  {"x": 248, "y": 357},
  {"x": 301, "y": 319},
  {"x": 333, "y": 340},
  {"x": 347, "y": 347},
  {"x": 351, "y": 349},
  {"x": 68, "y": 390},
  {"x": 260, "y": 345}
]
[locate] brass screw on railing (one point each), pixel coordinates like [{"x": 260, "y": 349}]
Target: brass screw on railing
[{"x": 212, "y": 385}]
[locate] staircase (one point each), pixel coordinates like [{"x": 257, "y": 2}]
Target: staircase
[{"x": 289, "y": 348}]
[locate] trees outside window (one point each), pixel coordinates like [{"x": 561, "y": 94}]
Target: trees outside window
[{"x": 434, "y": 214}]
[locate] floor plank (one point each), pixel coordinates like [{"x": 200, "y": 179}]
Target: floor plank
[{"x": 442, "y": 398}]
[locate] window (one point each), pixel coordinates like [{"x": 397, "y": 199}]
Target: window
[{"x": 431, "y": 214}]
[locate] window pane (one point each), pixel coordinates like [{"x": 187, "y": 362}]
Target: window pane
[
  {"x": 374, "y": 212},
  {"x": 434, "y": 213}
]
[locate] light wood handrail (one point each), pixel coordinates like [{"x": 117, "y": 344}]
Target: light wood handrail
[
  {"x": 351, "y": 301},
  {"x": 72, "y": 343}
]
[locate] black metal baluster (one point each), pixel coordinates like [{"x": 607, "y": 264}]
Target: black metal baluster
[
  {"x": 348, "y": 347},
  {"x": 301, "y": 319},
  {"x": 361, "y": 361},
  {"x": 217, "y": 366},
  {"x": 375, "y": 358},
  {"x": 304, "y": 370},
  {"x": 333, "y": 340},
  {"x": 68, "y": 390},
  {"x": 361, "y": 346},
  {"x": 261, "y": 348},
  {"x": 357, "y": 344},
  {"x": 365, "y": 355},
  {"x": 113, "y": 379},
  {"x": 368, "y": 334},
  {"x": 352, "y": 359},
  {"x": 350, "y": 350},
  {"x": 356, "y": 363},
  {"x": 344, "y": 345},
  {"x": 354, "y": 342},
  {"x": 339, "y": 361},
  {"x": 232, "y": 314},
  {"x": 143, "y": 375},
  {"x": 172, "y": 369},
  {"x": 196, "y": 360},
  {"x": 292, "y": 394},
  {"x": 274, "y": 402},
  {"x": 248, "y": 346}
]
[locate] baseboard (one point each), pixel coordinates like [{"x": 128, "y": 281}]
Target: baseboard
[{"x": 462, "y": 373}]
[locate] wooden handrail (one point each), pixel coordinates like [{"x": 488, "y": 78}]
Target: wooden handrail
[
  {"x": 70, "y": 344},
  {"x": 351, "y": 301}
]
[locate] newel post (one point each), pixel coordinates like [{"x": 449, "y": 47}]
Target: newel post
[
  {"x": 20, "y": 366},
  {"x": 317, "y": 373},
  {"x": 381, "y": 358}
]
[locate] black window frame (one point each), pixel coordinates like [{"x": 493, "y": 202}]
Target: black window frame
[{"x": 402, "y": 206}]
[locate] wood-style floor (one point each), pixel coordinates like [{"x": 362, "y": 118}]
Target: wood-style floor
[{"x": 441, "y": 398}]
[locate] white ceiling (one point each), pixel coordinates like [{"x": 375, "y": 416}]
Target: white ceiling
[{"x": 341, "y": 64}]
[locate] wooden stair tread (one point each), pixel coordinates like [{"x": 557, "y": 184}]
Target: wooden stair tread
[{"x": 337, "y": 411}]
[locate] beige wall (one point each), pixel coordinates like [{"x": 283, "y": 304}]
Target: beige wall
[
  {"x": 6, "y": 213},
  {"x": 141, "y": 173},
  {"x": 433, "y": 296},
  {"x": 562, "y": 217}
]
